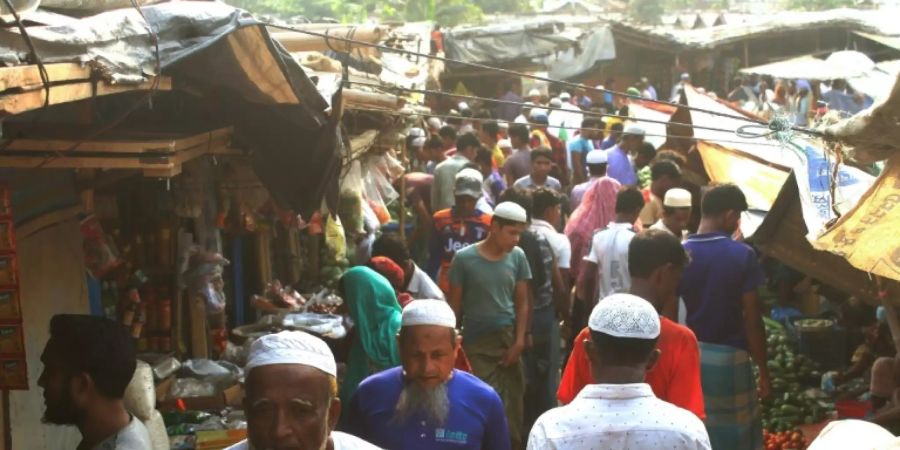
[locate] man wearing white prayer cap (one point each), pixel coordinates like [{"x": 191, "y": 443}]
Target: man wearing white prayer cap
[
  {"x": 596, "y": 162},
  {"x": 489, "y": 293},
  {"x": 291, "y": 397},
  {"x": 427, "y": 403},
  {"x": 676, "y": 212},
  {"x": 620, "y": 410},
  {"x": 620, "y": 166}
]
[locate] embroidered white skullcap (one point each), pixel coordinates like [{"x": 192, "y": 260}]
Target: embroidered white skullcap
[
  {"x": 503, "y": 125},
  {"x": 596, "y": 157},
  {"x": 625, "y": 316},
  {"x": 419, "y": 141},
  {"x": 565, "y": 96},
  {"x": 428, "y": 312},
  {"x": 677, "y": 198},
  {"x": 555, "y": 102},
  {"x": 291, "y": 347},
  {"x": 855, "y": 434},
  {"x": 416, "y": 132},
  {"x": 511, "y": 211},
  {"x": 634, "y": 130},
  {"x": 504, "y": 143},
  {"x": 434, "y": 122},
  {"x": 470, "y": 173},
  {"x": 534, "y": 93}
]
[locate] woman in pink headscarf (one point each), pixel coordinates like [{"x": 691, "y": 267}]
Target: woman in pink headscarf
[{"x": 597, "y": 210}]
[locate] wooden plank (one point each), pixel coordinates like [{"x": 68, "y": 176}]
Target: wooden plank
[
  {"x": 31, "y": 100},
  {"x": 83, "y": 162},
  {"x": 170, "y": 145},
  {"x": 21, "y": 76}
]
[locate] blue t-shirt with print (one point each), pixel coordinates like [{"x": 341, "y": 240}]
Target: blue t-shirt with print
[{"x": 476, "y": 420}]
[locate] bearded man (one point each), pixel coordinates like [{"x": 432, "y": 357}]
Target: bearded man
[
  {"x": 426, "y": 404},
  {"x": 291, "y": 397}
]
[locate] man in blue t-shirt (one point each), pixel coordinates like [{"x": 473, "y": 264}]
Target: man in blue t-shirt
[
  {"x": 426, "y": 404},
  {"x": 581, "y": 145},
  {"x": 719, "y": 290}
]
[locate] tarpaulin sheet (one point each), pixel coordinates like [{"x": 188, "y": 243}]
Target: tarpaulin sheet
[
  {"x": 867, "y": 236},
  {"x": 275, "y": 108},
  {"x": 871, "y": 134},
  {"x": 594, "y": 48},
  {"x": 761, "y": 170},
  {"x": 503, "y": 43}
]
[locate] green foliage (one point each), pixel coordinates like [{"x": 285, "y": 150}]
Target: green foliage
[
  {"x": 819, "y": 5},
  {"x": 645, "y": 11}
]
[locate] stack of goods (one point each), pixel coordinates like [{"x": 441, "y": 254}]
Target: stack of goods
[{"x": 792, "y": 402}]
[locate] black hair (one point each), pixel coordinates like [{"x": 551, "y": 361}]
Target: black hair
[
  {"x": 484, "y": 156},
  {"x": 544, "y": 198},
  {"x": 597, "y": 170},
  {"x": 518, "y": 131},
  {"x": 541, "y": 152},
  {"x": 521, "y": 197},
  {"x": 455, "y": 119},
  {"x": 466, "y": 113},
  {"x": 652, "y": 249},
  {"x": 491, "y": 128},
  {"x": 391, "y": 247},
  {"x": 592, "y": 122},
  {"x": 447, "y": 132},
  {"x": 623, "y": 111},
  {"x": 661, "y": 169},
  {"x": 671, "y": 155},
  {"x": 618, "y": 126},
  {"x": 723, "y": 198},
  {"x": 467, "y": 140},
  {"x": 617, "y": 352},
  {"x": 629, "y": 201},
  {"x": 435, "y": 142},
  {"x": 647, "y": 150},
  {"x": 97, "y": 346},
  {"x": 483, "y": 114}
]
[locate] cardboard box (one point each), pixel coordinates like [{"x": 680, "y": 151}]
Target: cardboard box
[
  {"x": 9, "y": 305},
  {"x": 217, "y": 440},
  {"x": 13, "y": 373},
  {"x": 11, "y": 340}
]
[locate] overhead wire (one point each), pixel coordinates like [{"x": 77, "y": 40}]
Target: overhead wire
[
  {"x": 548, "y": 108},
  {"x": 472, "y": 119},
  {"x": 534, "y": 77}
]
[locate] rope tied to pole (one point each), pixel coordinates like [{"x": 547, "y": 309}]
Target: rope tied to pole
[{"x": 779, "y": 128}]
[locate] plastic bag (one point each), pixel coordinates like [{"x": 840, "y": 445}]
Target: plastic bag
[
  {"x": 335, "y": 240},
  {"x": 192, "y": 387},
  {"x": 159, "y": 438},
  {"x": 326, "y": 325},
  {"x": 140, "y": 395},
  {"x": 350, "y": 207}
]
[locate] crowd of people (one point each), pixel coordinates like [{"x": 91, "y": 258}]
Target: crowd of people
[{"x": 534, "y": 228}]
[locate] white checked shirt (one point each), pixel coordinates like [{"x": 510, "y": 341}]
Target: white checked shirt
[
  {"x": 618, "y": 416},
  {"x": 562, "y": 249}
]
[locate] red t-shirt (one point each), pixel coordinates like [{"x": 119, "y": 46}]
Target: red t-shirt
[{"x": 675, "y": 378}]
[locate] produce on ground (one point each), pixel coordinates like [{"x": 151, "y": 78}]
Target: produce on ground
[
  {"x": 791, "y": 403},
  {"x": 786, "y": 440}
]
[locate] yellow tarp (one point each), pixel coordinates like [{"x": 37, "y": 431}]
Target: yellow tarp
[
  {"x": 868, "y": 236},
  {"x": 760, "y": 181}
]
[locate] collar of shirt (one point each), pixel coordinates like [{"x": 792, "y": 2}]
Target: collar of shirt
[
  {"x": 615, "y": 391},
  {"x": 706, "y": 237},
  {"x": 620, "y": 226},
  {"x": 538, "y": 223},
  {"x": 660, "y": 225}
]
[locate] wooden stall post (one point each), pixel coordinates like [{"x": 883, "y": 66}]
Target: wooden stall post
[{"x": 891, "y": 313}]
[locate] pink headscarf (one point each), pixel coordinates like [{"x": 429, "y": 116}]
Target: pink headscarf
[{"x": 597, "y": 210}]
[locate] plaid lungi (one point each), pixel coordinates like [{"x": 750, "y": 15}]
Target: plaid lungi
[
  {"x": 485, "y": 355},
  {"x": 733, "y": 416}
]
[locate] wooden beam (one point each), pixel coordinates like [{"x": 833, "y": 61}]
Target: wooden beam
[
  {"x": 170, "y": 145},
  {"x": 21, "y": 76},
  {"x": 27, "y": 101}
]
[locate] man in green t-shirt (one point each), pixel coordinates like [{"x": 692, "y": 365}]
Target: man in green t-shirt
[{"x": 489, "y": 291}]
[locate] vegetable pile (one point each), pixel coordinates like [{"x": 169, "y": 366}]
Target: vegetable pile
[
  {"x": 790, "y": 403},
  {"x": 788, "y": 440}
]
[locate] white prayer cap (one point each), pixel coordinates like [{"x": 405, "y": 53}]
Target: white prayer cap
[
  {"x": 634, "y": 130},
  {"x": 463, "y": 106},
  {"x": 428, "y": 312},
  {"x": 419, "y": 141},
  {"x": 534, "y": 93},
  {"x": 565, "y": 96},
  {"x": 511, "y": 211},
  {"x": 596, "y": 157},
  {"x": 471, "y": 174},
  {"x": 677, "y": 198},
  {"x": 503, "y": 125},
  {"x": 291, "y": 347},
  {"x": 685, "y": 76},
  {"x": 416, "y": 132},
  {"x": 504, "y": 143},
  {"x": 434, "y": 122},
  {"x": 625, "y": 316},
  {"x": 855, "y": 434},
  {"x": 555, "y": 102}
]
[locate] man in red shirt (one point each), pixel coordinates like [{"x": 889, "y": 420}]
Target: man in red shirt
[{"x": 656, "y": 260}]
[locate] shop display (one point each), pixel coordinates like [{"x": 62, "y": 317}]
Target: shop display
[
  {"x": 13, "y": 369},
  {"x": 795, "y": 398}
]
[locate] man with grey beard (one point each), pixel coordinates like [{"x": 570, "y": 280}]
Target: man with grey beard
[{"x": 426, "y": 404}]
